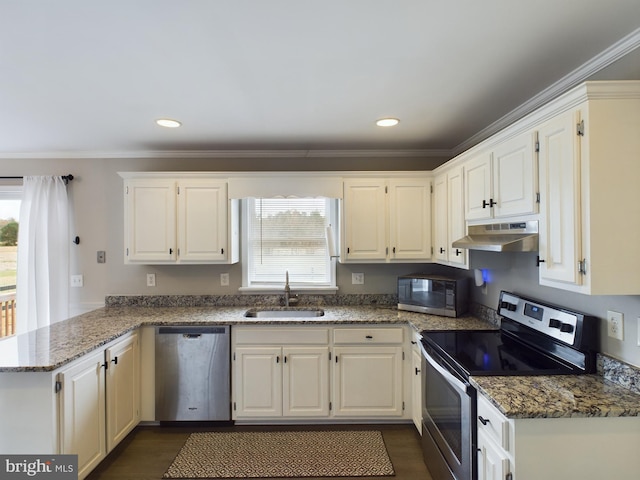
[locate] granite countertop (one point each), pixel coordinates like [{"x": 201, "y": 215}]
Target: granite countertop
[
  {"x": 49, "y": 348},
  {"x": 558, "y": 396}
]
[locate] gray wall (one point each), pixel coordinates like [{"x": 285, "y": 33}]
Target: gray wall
[
  {"x": 516, "y": 272},
  {"x": 97, "y": 197}
]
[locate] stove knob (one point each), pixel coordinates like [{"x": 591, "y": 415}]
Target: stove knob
[
  {"x": 553, "y": 323},
  {"x": 566, "y": 327}
]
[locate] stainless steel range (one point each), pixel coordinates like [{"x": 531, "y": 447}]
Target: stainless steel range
[{"x": 534, "y": 339}]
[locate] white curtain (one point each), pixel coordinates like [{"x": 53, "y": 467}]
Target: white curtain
[{"x": 43, "y": 253}]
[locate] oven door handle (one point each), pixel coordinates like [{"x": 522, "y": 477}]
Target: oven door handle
[{"x": 463, "y": 386}]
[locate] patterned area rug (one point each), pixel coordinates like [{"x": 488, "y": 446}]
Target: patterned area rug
[{"x": 282, "y": 454}]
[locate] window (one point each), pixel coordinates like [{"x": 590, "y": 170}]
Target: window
[
  {"x": 288, "y": 235},
  {"x": 9, "y": 215}
]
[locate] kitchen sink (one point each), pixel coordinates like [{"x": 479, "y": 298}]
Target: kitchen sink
[{"x": 295, "y": 313}]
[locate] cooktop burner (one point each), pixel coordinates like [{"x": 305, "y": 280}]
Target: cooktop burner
[{"x": 534, "y": 339}]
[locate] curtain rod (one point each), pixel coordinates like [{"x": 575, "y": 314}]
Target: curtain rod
[{"x": 66, "y": 178}]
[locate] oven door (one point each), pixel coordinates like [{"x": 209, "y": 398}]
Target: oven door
[{"x": 448, "y": 415}]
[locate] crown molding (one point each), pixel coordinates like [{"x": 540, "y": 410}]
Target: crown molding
[
  {"x": 603, "y": 59},
  {"x": 369, "y": 153}
]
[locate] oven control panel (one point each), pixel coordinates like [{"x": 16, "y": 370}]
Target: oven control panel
[{"x": 551, "y": 321}]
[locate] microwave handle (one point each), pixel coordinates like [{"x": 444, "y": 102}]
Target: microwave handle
[{"x": 460, "y": 385}]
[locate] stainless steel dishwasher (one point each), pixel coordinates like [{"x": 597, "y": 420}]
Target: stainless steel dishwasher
[{"x": 193, "y": 373}]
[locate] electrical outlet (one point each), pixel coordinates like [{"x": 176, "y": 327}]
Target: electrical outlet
[
  {"x": 615, "y": 325},
  {"x": 224, "y": 279},
  {"x": 77, "y": 281},
  {"x": 101, "y": 256},
  {"x": 357, "y": 278},
  {"x": 151, "y": 279}
]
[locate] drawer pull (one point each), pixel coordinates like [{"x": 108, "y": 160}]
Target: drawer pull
[
  {"x": 370, "y": 337},
  {"x": 484, "y": 421}
]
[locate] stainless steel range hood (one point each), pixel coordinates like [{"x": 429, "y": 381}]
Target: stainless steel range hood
[{"x": 501, "y": 237}]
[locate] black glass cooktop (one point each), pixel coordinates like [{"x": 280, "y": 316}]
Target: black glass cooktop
[{"x": 491, "y": 352}]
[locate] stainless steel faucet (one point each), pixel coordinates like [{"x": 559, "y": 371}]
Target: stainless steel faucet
[{"x": 287, "y": 289}]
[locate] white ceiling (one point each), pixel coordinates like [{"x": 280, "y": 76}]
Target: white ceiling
[{"x": 80, "y": 77}]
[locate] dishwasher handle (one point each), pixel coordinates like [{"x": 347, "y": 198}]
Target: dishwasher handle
[{"x": 194, "y": 331}]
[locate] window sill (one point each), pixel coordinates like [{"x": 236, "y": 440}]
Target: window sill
[{"x": 260, "y": 290}]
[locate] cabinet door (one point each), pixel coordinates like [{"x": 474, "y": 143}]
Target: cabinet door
[
  {"x": 258, "y": 381},
  {"x": 306, "y": 381},
  {"x": 365, "y": 225},
  {"x": 368, "y": 381},
  {"x": 416, "y": 388},
  {"x": 82, "y": 410},
  {"x": 440, "y": 218},
  {"x": 493, "y": 462},
  {"x": 559, "y": 238},
  {"x": 150, "y": 211},
  {"x": 477, "y": 184},
  {"x": 202, "y": 221},
  {"x": 514, "y": 177},
  {"x": 455, "y": 213},
  {"x": 410, "y": 219},
  {"x": 123, "y": 389}
]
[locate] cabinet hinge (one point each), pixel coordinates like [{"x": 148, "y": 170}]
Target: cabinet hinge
[
  {"x": 537, "y": 197},
  {"x": 178, "y": 189},
  {"x": 431, "y": 188},
  {"x": 537, "y": 146},
  {"x": 234, "y": 356},
  {"x": 580, "y": 128},
  {"x": 508, "y": 476},
  {"x": 126, "y": 190},
  {"x": 127, "y": 251},
  {"x": 329, "y": 356},
  {"x": 58, "y": 386},
  {"x": 330, "y": 406},
  {"x": 386, "y": 189},
  {"x": 178, "y": 252},
  {"x": 234, "y": 406},
  {"x": 403, "y": 406},
  {"x": 582, "y": 266},
  {"x": 403, "y": 355},
  {"x": 431, "y": 250}
]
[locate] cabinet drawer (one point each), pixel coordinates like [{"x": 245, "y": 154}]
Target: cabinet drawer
[
  {"x": 367, "y": 335},
  {"x": 493, "y": 423},
  {"x": 282, "y": 336}
]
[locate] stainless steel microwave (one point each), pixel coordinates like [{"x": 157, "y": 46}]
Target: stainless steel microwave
[{"x": 433, "y": 294}]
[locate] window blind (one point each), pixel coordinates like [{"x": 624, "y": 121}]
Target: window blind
[{"x": 288, "y": 234}]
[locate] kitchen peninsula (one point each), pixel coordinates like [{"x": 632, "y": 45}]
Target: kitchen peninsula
[{"x": 30, "y": 364}]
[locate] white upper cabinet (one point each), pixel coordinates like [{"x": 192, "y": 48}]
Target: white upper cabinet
[
  {"x": 449, "y": 222},
  {"x": 386, "y": 220},
  {"x": 589, "y": 195},
  {"x": 171, "y": 220},
  {"x": 502, "y": 182}
]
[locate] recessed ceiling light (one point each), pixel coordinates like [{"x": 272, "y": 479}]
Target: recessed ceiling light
[
  {"x": 167, "y": 122},
  {"x": 387, "y": 122}
]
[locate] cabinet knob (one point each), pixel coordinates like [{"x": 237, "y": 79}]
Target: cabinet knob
[
  {"x": 115, "y": 360},
  {"x": 458, "y": 252},
  {"x": 483, "y": 421},
  {"x": 417, "y": 371},
  {"x": 539, "y": 261},
  {"x": 442, "y": 250},
  {"x": 489, "y": 204},
  {"x": 170, "y": 251}
]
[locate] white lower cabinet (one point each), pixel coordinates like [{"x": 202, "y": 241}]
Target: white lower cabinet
[
  {"x": 99, "y": 402},
  {"x": 416, "y": 381},
  {"x": 82, "y": 411},
  {"x": 284, "y": 372},
  {"x": 588, "y": 448},
  {"x": 82, "y": 408},
  {"x": 367, "y": 381},
  {"x": 280, "y": 372}
]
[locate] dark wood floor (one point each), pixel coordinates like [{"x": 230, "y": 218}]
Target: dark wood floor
[{"x": 149, "y": 450}]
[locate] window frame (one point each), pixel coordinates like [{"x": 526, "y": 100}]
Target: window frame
[{"x": 278, "y": 287}]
